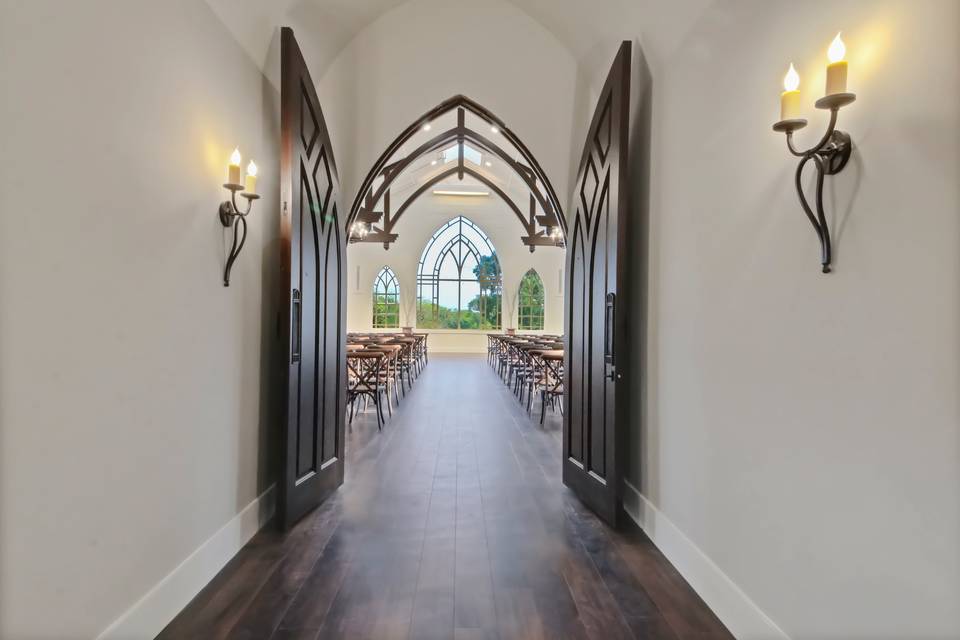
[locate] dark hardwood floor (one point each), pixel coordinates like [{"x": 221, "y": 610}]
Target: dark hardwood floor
[{"x": 453, "y": 523}]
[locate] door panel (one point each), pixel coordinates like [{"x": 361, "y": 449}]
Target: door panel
[
  {"x": 312, "y": 250},
  {"x": 593, "y": 423}
]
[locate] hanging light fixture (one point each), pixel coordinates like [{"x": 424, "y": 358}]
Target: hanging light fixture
[{"x": 359, "y": 230}]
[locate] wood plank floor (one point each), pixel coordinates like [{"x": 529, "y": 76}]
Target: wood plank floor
[{"x": 452, "y": 523}]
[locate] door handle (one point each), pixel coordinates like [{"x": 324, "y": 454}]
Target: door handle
[
  {"x": 609, "y": 333},
  {"x": 609, "y": 330},
  {"x": 296, "y": 312}
]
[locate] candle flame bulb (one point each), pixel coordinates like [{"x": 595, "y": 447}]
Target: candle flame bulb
[
  {"x": 837, "y": 69},
  {"x": 790, "y": 98},
  {"x": 837, "y": 49},
  {"x": 233, "y": 171},
  {"x": 251, "y": 182},
  {"x": 791, "y": 81}
]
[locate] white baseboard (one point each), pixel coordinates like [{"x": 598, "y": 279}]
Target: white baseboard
[
  {"x": 735, "y": 609},
  {"x": 151, "y": 613}
]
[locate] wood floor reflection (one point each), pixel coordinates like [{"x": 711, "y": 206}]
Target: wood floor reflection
[{"x": 453, "y": 522}]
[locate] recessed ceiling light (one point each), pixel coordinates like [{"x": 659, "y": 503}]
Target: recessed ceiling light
[
  {"x": 494, "y": 129},
  {"x": 488, "y": 163},
  {"x": 460, "y": 192},
  {"x": 433, "y": 163},
  {"x": 426, "y": 127}
]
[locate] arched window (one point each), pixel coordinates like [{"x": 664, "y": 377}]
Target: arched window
[
  {"x": 530, "y": 303},
  {"x": 386, "y": 300},
  {"x": 458, "y": 279}
]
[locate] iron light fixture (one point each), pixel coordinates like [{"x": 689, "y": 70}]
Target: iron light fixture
[
  {"x": 230, "y": 214},
  {"x": 831, "y": 153},
  {"x": 359, "y": 230}
]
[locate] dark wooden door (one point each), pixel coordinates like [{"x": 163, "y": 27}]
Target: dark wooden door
[
  {"x": 313, "y": 254},
  {"x": 594, "y": 358}
]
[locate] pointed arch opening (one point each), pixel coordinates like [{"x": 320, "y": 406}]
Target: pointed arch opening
[
  {"x": 457, "y": 139},
  {"x": 386, "y": 300},
  {"x": 459, "y": 282},
  {"x": 530, "y": 302}
]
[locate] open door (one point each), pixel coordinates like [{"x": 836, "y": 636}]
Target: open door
[
  {"x": 312, "y": 254},
  {"x": 593, "y": 425}
]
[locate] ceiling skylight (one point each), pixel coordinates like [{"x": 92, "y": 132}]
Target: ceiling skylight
[{"x": 469, "y": 154}]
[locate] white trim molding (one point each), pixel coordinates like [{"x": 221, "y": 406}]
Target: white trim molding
[
  {"x": 740, "y": 614},
  {"x": 154, "y": 611}
]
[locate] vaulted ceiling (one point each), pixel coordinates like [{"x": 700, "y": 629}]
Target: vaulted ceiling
[{"x": 579, "y": 25}]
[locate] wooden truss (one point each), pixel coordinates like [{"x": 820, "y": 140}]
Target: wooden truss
[{"x": 541, "y": 217}]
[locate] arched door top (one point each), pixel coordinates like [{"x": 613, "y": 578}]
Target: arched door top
[{"x": 371, "y": 218}]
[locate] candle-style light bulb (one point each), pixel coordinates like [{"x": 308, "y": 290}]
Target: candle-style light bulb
[
  {"x": 251, "y": 186},
  {"x": 837, "y": 69},
  {"x": 837, "y": 49},
  {"x": 791, "y": 81},
  {"x": 233, "y": 171},
  {"x": 790, "y": 98}
]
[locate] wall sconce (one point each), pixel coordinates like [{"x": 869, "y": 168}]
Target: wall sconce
[
  {"x": 831, "y": 154},
  {"x": 230, "y": 212}
]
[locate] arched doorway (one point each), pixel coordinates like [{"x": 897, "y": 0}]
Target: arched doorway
[{"x": 458, "y": 139}]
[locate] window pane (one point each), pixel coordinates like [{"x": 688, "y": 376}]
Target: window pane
[
  {"x": 469, "y": 267},
  {"x": 448, "y": 267},
  {"x": 448, "y": 305}
]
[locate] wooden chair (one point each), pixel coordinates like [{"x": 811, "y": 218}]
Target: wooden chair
[
  {"x": 363, "y": 380},
  {"x": 551, "y": 384},
  {"x": 389, "y": 372}
]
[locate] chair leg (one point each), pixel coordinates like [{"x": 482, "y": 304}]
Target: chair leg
[{"x": 543, "y": 405}]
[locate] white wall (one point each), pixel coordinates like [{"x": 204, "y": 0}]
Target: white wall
[
  {"x": 131, "y": 397},
  {"x": 801, "y": 429},
  {"x": 415, "y": 228}
]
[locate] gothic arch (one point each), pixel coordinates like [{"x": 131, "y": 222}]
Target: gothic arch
[{"x": 543, "y": 223}]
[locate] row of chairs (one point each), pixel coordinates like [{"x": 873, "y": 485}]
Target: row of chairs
[
  {"x": 531, "y": 365},
  {"x": 381, "y": 368}
]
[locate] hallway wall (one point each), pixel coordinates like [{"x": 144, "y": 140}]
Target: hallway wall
[
  {"x": 131, "y": 398},
  {"x": 800, "y": 432}
]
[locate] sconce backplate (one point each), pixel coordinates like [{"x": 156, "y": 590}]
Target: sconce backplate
[
  {"x": 837, "y": 152},
  {"x": 226, "y": 213}
]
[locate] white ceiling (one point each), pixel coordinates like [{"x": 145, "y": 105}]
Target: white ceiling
[{"x": 580, "y": 25}]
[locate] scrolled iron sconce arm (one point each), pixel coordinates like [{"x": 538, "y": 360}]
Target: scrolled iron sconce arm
[
  {"x": 830, "y": 155},
  {"x": 229, "y": 211}
]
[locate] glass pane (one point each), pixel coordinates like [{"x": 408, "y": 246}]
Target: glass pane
[
  {"x": 470, "y": 304},
  {"x": 448, "y": 303},
  {"x": 448, "y": 268},
  {"x": 469, "y": 270}
]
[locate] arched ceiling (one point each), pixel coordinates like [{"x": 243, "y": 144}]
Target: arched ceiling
[{"x": 580, "y": 26}]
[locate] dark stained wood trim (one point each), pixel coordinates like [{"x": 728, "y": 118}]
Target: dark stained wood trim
[
  {"x": 388, "y": 168},
  {"x": 313, "y": 322},
  {"x": 595, "y": 358}
]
